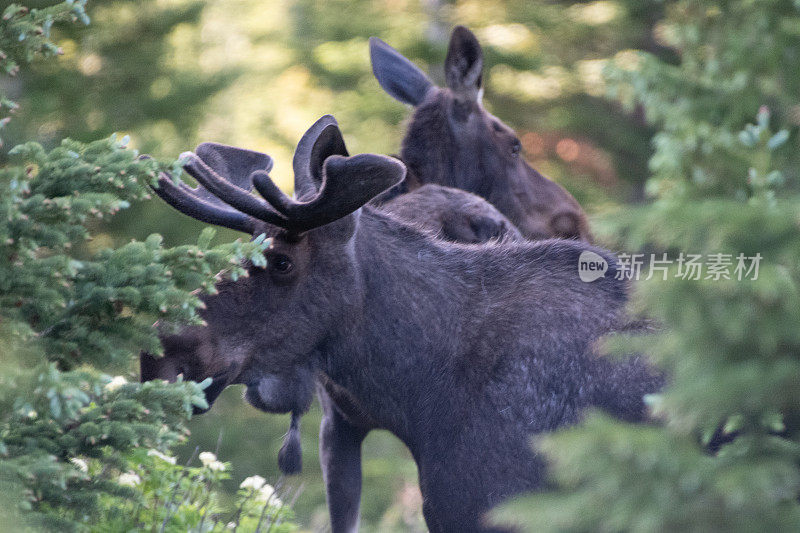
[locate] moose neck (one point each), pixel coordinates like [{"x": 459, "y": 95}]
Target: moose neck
[{"x": 409, "y": 307}]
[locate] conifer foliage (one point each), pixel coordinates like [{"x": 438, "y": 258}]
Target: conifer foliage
[
  {"x": 724, "y": 453},
  {"x": 80, "y": 450},
  {"x": 25, "y": 33}
]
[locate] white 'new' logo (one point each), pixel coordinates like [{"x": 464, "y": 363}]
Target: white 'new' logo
[{"x": 591, "y": 266}]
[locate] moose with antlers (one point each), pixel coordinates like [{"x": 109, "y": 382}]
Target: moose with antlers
[
  {"x": 453, "y": 141},
  {"x": 462, "y": 351}
]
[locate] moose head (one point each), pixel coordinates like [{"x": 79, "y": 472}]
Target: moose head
[
  {"x": 263, "y": 330},
  {"x": 452, "y": 140}
]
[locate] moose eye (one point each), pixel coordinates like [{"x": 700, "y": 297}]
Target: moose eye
[
  {"x": 516, "y": 147},
  {"x": 281, "y": 263}
]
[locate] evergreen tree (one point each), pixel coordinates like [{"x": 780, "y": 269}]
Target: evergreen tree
[
  {"x": 81, "y": 450},
  {"x": 724, "y": 456},
  {"x": 137, "y": 70}
]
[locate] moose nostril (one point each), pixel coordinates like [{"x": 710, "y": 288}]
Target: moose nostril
[{"x": 566, "y": 225}]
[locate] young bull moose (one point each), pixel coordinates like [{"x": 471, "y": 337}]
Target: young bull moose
[
  {"x": 462, "y": 351},
  {"x": 443, "y": 212},
  {"x": 452, "y": 140}
]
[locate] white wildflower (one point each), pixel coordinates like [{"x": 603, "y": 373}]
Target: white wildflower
[
  {"x": 265, "y": 493},
  {"x": 206, "y": 458},
  {"x": 115, "y": 383},
  {"x": 209, "y": 461},
  {"x": 253, "y": 482},
  {"x": 216, "y": 466},
  {"x": 32, "y": 414},
  {"x": 162, "y": 456},
  {"x": 80, "y": 464},
  {"x": 129, "y": 479},
  {"x": 231, "y": 525}
]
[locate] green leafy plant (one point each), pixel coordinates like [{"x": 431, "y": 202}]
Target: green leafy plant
[{"x": 166, "y": 496}]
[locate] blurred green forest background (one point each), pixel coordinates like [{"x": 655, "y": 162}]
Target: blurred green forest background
[{"x": 252, "y": 73}]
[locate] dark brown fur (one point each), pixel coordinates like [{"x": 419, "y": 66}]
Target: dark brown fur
[{"x": 452, "y": 214}]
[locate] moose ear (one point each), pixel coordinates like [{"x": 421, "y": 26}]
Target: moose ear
[
  {"x": 464, "y": 64},
  {"x": 398, "y": 76}
]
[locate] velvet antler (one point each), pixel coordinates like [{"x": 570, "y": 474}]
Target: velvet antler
[
  {"x": 235, "y": 163},
  {"x": 330, "y": 185}
]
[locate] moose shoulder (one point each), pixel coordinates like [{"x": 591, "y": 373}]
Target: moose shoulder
[
  {"x": 462, "y": 351},
  {"x": 452, "y": 140}
]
